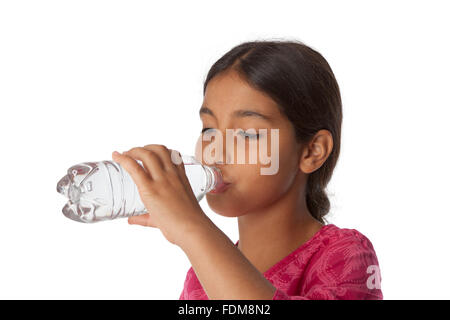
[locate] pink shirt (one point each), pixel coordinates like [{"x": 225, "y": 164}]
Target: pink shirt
[{"x": 334, "y": 264}]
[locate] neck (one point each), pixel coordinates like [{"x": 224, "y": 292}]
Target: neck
[{"x": 277, "y": 230}]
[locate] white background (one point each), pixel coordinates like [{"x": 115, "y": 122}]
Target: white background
[{"x": 80, "y": 79}]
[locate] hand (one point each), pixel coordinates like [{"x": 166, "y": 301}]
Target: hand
[{"x": 164, "y": 190}]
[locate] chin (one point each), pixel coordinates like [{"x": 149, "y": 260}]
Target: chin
[{"x": 224, "y": 208}]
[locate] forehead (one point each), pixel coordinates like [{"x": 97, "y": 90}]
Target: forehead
[{"x": 228, "y": 92}]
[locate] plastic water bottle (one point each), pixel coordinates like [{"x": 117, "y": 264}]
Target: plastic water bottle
[{"x": 103, "y": 190}]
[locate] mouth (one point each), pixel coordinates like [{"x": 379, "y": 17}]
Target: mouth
[{"x": 221, "y": 187}]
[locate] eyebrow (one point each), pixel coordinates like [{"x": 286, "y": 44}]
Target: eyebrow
[{"x": 238, "y": 113}]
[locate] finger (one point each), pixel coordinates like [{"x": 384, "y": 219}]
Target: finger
[
  {"x": 164, "y": 155},
  {"x": 150, "y": 161},
  {"x": 178, "y": 162},
  {"x": 173, "y": 163},
  {"x": 143, "y": 220},
  {"x": 176, "y": 156},
  {"x": 137, "y": 173}
]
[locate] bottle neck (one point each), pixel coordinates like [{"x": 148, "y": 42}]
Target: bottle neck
[
  {"x": 213, "y": 177},
  {"x": 213, "y": 174}
]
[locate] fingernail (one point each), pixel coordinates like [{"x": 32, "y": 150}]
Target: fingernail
[{"x": 116, "y": 153}]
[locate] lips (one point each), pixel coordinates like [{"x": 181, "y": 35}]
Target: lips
[{"x": 221, "y": 187}]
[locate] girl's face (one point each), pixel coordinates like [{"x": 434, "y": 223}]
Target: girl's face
[{"x": 249, "y": 190}]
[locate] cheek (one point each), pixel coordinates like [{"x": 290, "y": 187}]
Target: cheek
[
  {"x": 263, "y": 189},
  {"x": 207, "y": 152},
  {"x": 251, "y": 191}
]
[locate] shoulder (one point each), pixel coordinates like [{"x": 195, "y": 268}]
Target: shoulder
[
  {"x": 334, "y": 238},
  {"x": 342, "y": 255},
  {"x": 331, "y": 239}
]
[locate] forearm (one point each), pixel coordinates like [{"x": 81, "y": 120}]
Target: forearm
[{"x": 223, "y": 271}]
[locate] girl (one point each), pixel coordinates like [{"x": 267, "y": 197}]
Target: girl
[{"x": 285, "y": 248}]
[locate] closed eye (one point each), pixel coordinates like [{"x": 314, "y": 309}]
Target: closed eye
[
  {"x": 243, "y": 133},
  {"x": 205, "y": 129},
  {"x": 249, "y": 135}
]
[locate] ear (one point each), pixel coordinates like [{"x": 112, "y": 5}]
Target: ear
[{"x": 316, "y": 152}]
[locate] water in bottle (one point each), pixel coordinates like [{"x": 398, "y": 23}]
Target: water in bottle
[{"x": 103, "y": 190}]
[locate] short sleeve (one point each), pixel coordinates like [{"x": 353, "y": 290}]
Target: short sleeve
[{"x": 346, "y": 269}]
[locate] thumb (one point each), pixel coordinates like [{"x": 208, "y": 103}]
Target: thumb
[{"x": 142, "y": 220}]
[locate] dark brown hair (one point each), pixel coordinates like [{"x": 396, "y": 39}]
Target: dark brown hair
[{"x": 303, "y": 85}]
